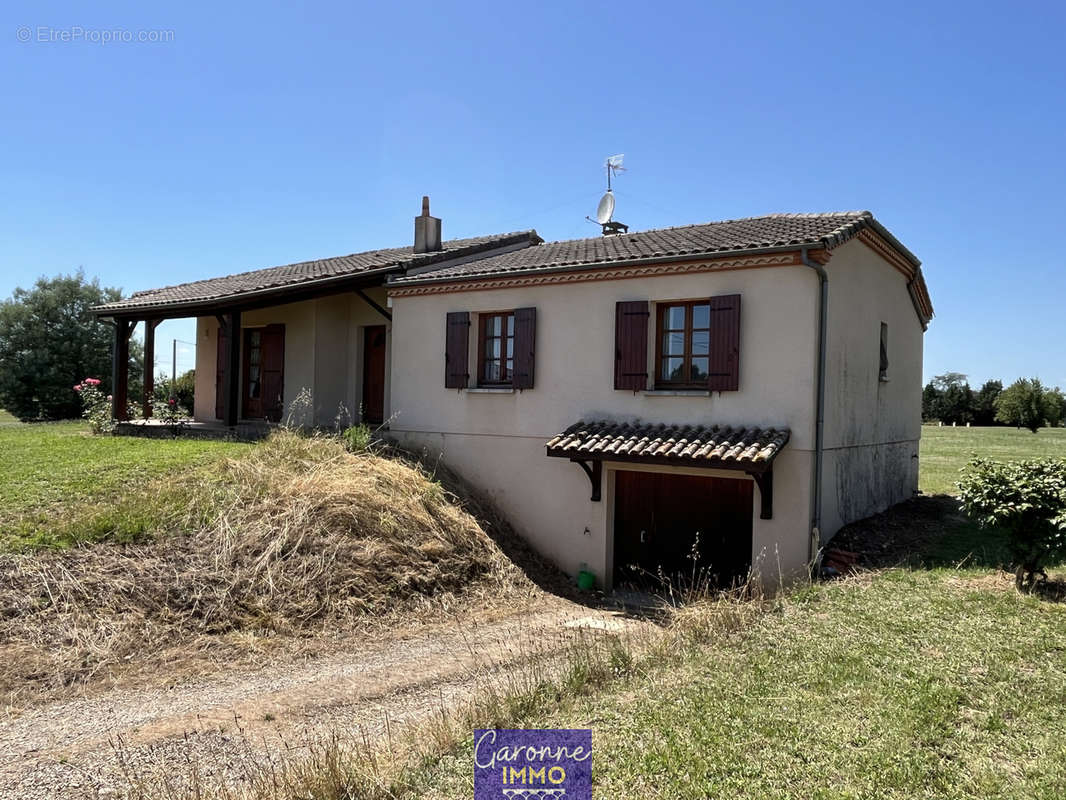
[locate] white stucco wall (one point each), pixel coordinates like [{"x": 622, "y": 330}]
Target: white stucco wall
[
  {"x": 323, "y": 352},
  {"x": 872, "y": 427},
  {"x": 497, "y": 440}
]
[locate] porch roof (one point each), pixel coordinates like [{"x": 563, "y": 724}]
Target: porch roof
[
  {"x": 280, "y": 284},
  {"x": 750, "y": 449}
]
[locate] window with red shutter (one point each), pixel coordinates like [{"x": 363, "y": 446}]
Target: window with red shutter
[{"x": 698, "y": 344}]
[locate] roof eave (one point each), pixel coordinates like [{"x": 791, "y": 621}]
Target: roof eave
[
  {"x": 628, "y": 262},
  {"x": 243, "y": 298}
]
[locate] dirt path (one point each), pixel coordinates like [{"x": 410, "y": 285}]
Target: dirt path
[{"x": 224, "y": 730}]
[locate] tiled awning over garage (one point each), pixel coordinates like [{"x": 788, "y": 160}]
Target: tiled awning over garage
[
  {"x": 751, "y": 450},
  {"x": 748, "y": 449}
]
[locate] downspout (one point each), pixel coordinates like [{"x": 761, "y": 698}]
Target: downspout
[{"x": 819, "y": 424}]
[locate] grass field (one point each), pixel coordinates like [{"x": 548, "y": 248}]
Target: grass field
[
  {"x": 945, "y": 451},
  {"x": 921, "y": 682},
  {"x": 53, "y": 474},
  {"x": 945, "y": 684}
]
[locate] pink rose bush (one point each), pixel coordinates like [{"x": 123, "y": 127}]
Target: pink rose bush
[{"x": 96, "y": 407}]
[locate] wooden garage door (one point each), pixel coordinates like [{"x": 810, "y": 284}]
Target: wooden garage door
[{"x": 681, "y": 526}]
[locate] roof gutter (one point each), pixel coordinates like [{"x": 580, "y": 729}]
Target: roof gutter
[{"x": 814, "y": 541}]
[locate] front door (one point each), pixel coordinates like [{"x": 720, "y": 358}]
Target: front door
[
  {"x": 374, "y": 374},
  {"x": 681, "y": 527},
  {"x": 264, "y": 372}
]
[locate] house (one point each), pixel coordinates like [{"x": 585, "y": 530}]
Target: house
[{"x": 738, "y": 390}]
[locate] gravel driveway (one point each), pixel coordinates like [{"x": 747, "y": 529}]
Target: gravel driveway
[{"x": 226, "y": 729}]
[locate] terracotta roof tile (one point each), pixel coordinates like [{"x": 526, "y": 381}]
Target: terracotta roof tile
[
  {"x": 710, "y": 446},
  {"x": 735, "y": 235},
  {"x": 254, "y": 281}
]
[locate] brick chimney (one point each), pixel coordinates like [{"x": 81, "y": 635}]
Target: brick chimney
[{"x": 427, "y": 231}]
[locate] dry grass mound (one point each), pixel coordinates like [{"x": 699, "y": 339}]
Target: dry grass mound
[{"x": 304, "y": 537}]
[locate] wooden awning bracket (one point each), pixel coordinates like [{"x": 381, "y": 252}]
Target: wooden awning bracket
[
  {"x": 594, "y": 470},
  {"x": 765, "y": 482}
]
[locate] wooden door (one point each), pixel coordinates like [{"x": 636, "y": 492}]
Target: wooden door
[
  {"x": 252, "y": 383},
  {"x": 374, "y": 374},
  {"x": 264, "y": 373},
  {"x": 273, "y": 371},
  {"x": 681, "y": 526}
]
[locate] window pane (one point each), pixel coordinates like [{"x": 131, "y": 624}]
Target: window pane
[
  {"x": 510, "y": 324},
  {"x": 700, "y": 370},
  {"x": 510, "y": 366},
  {"x": 492, "y": 349},
  {"x": 701, "y": 343},
  {"x": 701, "y": 316},
  {"x": 672, "y": 369},
  {"x": 675, "y": 318},
  {"x": 492, "y": 370},
  {"x": 673, "y": 344},
  {"x": 510, "y": 346},
  {"x": 494, "y": 326}
]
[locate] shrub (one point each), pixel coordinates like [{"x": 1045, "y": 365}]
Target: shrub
[
  {"x": 96, "y": 406},
  {"x": 1025, "y": 499},
  {"x": 182, "y": 390},
  {"x": 357, "y": 438},
  {"x": 168, "y": 410}
]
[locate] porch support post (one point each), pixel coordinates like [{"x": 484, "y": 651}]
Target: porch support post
[
  {"x": 231, "y": 371},
  {"x": 120, "y": 369},
  {"x": 149, "y": 365},
  {"x": 765, "y": 482}
]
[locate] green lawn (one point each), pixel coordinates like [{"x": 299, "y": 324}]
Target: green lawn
[
  {"x": 927, "y": 682},
  {"x": 945, "y": 451},
  {"x": 52, "y": 474},
  {"x": 937, "y": 684}
]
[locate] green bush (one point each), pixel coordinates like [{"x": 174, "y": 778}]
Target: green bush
[
  {"x": 181, "y": 390},
  {"x": 357, "y": 438},
  {"x": 1025, "y": 499},
  {"x": 96, "y": 406}
]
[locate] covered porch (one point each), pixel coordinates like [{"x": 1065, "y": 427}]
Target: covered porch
[{"x": 242, "y": 354}]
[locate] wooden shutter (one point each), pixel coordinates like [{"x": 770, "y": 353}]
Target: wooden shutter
[
  {"x": 525, "y": 338},
  {"x": 631, "y": 345},
  {"x": 220, "y": 371},
  {"x": 456, "y": 350},
  {"x": 725, "y": 344}
]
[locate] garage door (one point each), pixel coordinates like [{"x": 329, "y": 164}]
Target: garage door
[{"x": 677, "y": 526}]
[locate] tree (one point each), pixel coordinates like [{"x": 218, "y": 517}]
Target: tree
[
  {"x": 953, "y": 398},
  {"x": 49, "y": 341},
  {"x": 930, "y": 403},
  {"x": 984, "y": 403},
  {"x": 1023, "y": 404},
  {"x": 1025, "y": 499},
  {"x": 1054, "y": 406}
]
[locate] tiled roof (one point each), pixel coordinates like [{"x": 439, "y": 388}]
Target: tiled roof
[
  {"x": 697, "y": 445},
  {"x": 260, "y": 280},
  {"x": 774, "y": 231}
]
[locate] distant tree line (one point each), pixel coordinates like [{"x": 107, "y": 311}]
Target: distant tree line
[{"x": 1026, "y": 403}]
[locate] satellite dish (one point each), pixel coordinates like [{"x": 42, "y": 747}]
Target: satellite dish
[{"x": 606, "y": 208}]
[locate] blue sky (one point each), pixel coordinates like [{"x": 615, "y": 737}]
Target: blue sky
[{"x": 260, "y": 134}]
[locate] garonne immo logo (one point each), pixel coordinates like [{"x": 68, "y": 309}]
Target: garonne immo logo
[{"x": 534, "y": 764}]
